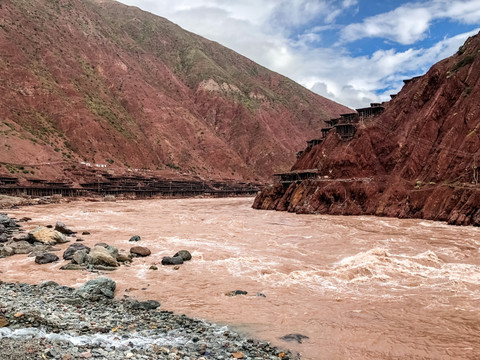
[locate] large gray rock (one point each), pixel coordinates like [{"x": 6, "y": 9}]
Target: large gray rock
[
  {"x": 72, "y": 249},
  {"x": 97, "y": 289},
  {"x": 101, "y": 256},
  {"x": 2, "y": 228},
  {"x": 4, "y": 219},
  {"x": 47, "y": 236},
  {"x": 46, "y": 258},
  {"x": 3, "y": 238},
  {"x": 20, "y": 247}
]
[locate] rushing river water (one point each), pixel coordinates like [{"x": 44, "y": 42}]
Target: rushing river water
[{"x": 358, "y": 287}]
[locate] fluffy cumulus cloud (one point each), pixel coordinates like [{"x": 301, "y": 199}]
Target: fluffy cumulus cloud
[{"x": 288, "y": 36}]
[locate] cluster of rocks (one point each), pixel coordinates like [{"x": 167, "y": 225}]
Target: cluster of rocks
[
  {"x": 49, "y": 321},
  {"x": 40, "y": 243}
]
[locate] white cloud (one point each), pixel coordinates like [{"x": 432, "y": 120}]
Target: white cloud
[
  {"x": 410, "y": 22},
  {"x": 261, "y": 30}
]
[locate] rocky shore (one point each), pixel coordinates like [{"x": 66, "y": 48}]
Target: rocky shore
[{"x": 49, "y": 321}]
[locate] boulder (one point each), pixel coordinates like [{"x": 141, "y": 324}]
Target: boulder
[
  {"x": 3, "y": 238},
  {"x": 176, "y": 260},
  {"x": 4, "y": 219},
  {"x": 47, "y": 236},
  {"x": 101, "y": 256},
  {"x": 140, "y": 251},
  {"x": 2, "y": 228},
  {"x": 97, "y": 289},
  {"x": 46, "y": 258},
  {"x": 135, "y": 238},
  {"x": 72, "y": 249},
  {"x": 80, "y": 257},
  {"x": 20, "y": 247},
  {"x": 184, "y": 254},
  {"x": 61, "y": 227}
]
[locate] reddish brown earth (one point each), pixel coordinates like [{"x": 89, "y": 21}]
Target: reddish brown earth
[
  {"x": 419, "y": 159},
  {"x": 101, "y": 82}
]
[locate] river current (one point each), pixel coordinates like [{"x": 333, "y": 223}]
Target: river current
[{"x": 358, "y": 287}]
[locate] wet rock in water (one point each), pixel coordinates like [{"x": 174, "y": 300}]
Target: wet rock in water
[
  {"x": 72, "y": 266},
  {"x": 46, "y": 258},
  {"x": 295, "y": 337},
  {"x": 124, "y": 258},
  {"x": 101, "y": 256},
  {"x": 236, "y": 292},
  {"x": 47, "y": 236},
  {"x": 153, "y": 267},
  {"x": 176, "y": 260},
  {"x": 97, "y": 289},
  {"x": 72, "y": 249},
  {"x": 135, "y": 238},
  {"x": 2, "y": 228},
  {"x": 261, "y": 295},
  {"x": 143, "y": 305},
  {"x": 85, "y": 233},
  {"x": 3, "y": 238},
  {"x": 184, "y": 254},
  {"x": 25, "y": 219},
  {"x": 46, "y": 284},
  {"x": 61, "y": 227},
  {"x": 80, "y": 257},
  {"x": 140, "y": 251},
  {"x": 79, "y": 240},
  {"x": 17, "y": 247}
]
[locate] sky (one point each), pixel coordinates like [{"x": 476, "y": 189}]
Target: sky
[{"x": 351, "y": 51}]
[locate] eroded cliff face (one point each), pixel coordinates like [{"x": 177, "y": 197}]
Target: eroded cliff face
[
  {"x": 100, "y": 82},
  {"x": 420, "y": 158}
]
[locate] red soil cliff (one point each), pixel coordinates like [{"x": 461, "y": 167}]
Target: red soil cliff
[{"x": 419, "y": 159}]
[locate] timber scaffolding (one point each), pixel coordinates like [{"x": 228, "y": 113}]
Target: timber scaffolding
[
  {"x": 140, "y": 186},
  {"x": 346, "y": 125}
]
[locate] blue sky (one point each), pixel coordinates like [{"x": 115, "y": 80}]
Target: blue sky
[{"x": 351, "y": 51}]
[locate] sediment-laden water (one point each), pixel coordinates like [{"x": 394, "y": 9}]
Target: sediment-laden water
[{"x": 358, "y": 287}]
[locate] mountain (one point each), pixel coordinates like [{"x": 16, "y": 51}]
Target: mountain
[
  {"x": 419, "y": 159},
  {"x": 98, "y": 82}
]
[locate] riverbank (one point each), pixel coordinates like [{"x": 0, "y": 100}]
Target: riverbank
[{"x": 50, "y": 321}]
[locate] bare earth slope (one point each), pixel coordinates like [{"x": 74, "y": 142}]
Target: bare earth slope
[
  {"x": 100, "y": 82},
  {"x": 419, "y": 159}
]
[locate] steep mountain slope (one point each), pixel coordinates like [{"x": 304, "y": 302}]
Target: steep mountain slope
[
  {"x": 97, "y": 81},
  {"x": 420, "y": 158}
]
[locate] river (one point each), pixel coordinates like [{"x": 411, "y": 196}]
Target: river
[{"x": 358, "y": 287}]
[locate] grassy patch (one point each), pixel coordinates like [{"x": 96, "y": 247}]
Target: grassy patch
[{"x": 465, "y": 61}]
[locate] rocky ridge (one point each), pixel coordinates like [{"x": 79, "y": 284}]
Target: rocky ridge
[
  {"x": 419, "y": 159},
  {"x": 98, "y": 83}
]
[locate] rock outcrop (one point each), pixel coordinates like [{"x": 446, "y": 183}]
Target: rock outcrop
[{"x": 419, "y": 159}]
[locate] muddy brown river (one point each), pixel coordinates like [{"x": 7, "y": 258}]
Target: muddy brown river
[{"x": 358, "y": 287}]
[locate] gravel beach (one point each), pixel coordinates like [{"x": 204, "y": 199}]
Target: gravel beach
[{"x": 49, "y": 321}]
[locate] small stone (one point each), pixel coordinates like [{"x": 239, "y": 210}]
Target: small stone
[
  {"x": 19, "y": 314},
  {"x": 294, "y": 337},
  {"x": 3, "y": 322},
  {"x": 261, "y": 295},
  {"x": 135, "y": 238},
  {"x": 85, "y": 233},
  {"x": 140, "y": 251},
  {"x": 236, "y": 292},
  {"x": 86, "y": 355},
  {"x": 238, "y": 355},
  {"x": 153, "y": 267}
]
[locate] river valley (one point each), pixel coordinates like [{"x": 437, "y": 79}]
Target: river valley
[{"x": 359, "y": 287}]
